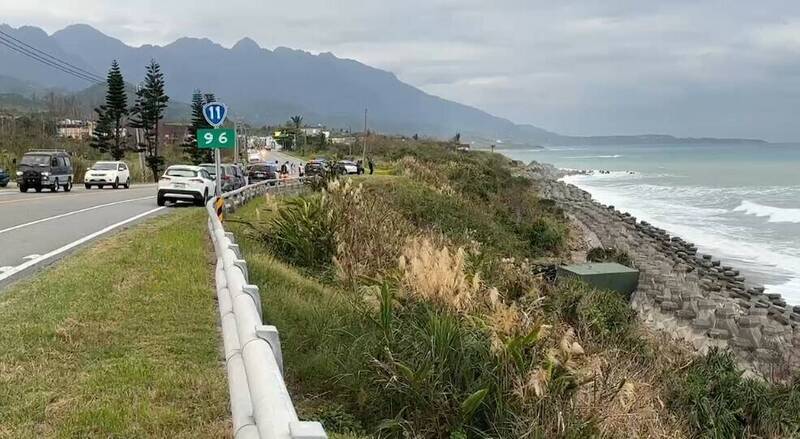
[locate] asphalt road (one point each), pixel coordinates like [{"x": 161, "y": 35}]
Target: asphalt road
[{"x": 39, "y": 228}]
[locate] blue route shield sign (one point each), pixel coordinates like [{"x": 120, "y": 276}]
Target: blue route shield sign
[{"x": 215, "y": 113}]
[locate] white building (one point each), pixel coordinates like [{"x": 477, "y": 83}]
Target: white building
[{"x": 75, "y": 129}]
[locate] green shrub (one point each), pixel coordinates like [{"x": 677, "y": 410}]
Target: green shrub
[
  {"x": 302, "y": 232},
  {"x": 719, "y": 403},
  {"x": 545, "y": 235},
  {"x": 600, "y": 315},
  {"x": 448, "y": 213},
  {"x": 600, "y": 254}
]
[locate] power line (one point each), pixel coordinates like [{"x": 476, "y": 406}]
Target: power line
[
  {"x": 59, "y": 60},
  {"x": 23, "y": 51},
  {"x": 34, "y": 56}
]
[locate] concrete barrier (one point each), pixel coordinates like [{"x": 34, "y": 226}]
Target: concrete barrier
[{"x": 260, "y": 403}]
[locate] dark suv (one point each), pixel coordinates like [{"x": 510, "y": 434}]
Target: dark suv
[
  {"x": 262, "y": 171},
  {"x": 45, "y": 168}
]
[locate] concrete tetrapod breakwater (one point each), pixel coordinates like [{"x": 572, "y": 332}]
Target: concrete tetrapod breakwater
[{"x": 692, "y": 296}]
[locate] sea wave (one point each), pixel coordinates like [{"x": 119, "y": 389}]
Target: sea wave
[
  {"x": 614, "y": 156},
  {"x": 774, "y": 214},
  {"x": 790, "y": 290},
  {"x": 706, "y": 227}
]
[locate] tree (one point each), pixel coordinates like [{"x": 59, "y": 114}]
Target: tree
[
  {"x": 321, "y": 139},
  {"x": 151, "y": 102},
  {"x": 295, "y": 123},
  {"x": 111, "y": 138},
  {"x": 101, "y": 134},
  {"x": 190, "y": 149}
]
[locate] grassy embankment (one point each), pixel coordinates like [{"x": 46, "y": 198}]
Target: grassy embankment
[
  {"x": 412, "y": 305},
  {"x": 118, "y": 340}
]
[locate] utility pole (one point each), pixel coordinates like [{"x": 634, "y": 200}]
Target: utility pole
[
  {"x": 364, "y": 152},
  {"x": 138, "y": 140}
]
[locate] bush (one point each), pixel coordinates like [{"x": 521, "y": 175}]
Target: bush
[
  {"x": 545, "y": 236},
  {"x": 369, "y": 234},
  {"x": 600, "y": 254},
  {"x": 599, "y": 315},
  {"x": 720, "y": 403},
  {"x": 302, "y": 232}
]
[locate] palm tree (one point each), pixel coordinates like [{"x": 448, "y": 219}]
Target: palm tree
[{"x": 297, "y": 123}]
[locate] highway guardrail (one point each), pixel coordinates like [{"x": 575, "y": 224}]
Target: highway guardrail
[{"x": 261, "y": 407}]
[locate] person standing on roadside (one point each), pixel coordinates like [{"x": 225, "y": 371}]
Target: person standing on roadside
[
  {"x": 302, "y": 170},
  {"x": 285, "y": 170},
  {"x": 371, "y": 165}
]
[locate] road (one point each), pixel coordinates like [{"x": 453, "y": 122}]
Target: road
[{"x": 39, "y": 228}]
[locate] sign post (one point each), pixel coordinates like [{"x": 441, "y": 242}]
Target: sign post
[{"x": 217, "y": 138}]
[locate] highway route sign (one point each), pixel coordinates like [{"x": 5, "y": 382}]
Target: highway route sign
[
  {"x": 215, "y": 113},
  {"x": 216, "y": 138}
]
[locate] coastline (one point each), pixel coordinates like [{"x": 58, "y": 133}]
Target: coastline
[{"x": 692, "y": 296}]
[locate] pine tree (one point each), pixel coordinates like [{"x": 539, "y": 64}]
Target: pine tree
[
  {"x": 151, "y": 102},
  {"x": 190, "y": 149},
  {"x": 101, "y": 134},
  {"x": 114, "y": 112}
]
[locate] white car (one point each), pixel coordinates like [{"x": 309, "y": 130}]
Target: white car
[
  {"x": 185, "y": 183},
  {"x": 111, "y": 174},
  {"x": 348, "y": 167}
]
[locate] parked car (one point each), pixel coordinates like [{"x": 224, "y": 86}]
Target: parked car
[
  {"x": 239, "y": 176},
  {"x": 232, "y": 176},
  {"x": 45, "y": 168},
  {"x": 316, "y": 167},
  {"x": 262, "y": 171},
  {"x": 185, "y": 183},
  {"x": 346, "y": 167},
  {"x": 4, "y": 178},
  {"x": 112, "y": 174}
]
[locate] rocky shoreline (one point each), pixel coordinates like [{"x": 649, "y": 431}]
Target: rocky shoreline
[{"x": 694, "y": 297}]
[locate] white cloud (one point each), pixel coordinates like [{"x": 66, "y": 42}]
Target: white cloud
[{"x": 578, "y": 67}]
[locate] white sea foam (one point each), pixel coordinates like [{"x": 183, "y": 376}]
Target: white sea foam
[
  {"x": 773, "y": 214},
  {"x": 790, "y": 290},
  {"x": 614, "y": 156},
  {"x": 702, "y": 226}
]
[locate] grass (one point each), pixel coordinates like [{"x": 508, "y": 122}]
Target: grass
[
  {"x": 433, "y": 318},
  {"x": 118, "y": 340}
]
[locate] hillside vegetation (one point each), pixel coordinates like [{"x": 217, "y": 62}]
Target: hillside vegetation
[{"x": 419, "y": 304}]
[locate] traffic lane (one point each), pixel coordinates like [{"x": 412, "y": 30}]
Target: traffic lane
[
  {"x": 23, "y": 208},
  {"x": 41, "y": 238}
]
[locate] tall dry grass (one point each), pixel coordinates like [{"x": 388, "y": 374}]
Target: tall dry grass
[{"x": 368, "y": 234}]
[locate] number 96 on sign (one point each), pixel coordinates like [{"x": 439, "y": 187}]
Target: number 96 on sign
[{"x": 217, "y": 138}]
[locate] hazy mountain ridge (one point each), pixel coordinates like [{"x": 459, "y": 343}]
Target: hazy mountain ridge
[{"x": 267, "y": 86}]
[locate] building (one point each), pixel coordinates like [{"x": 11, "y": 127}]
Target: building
[
  {"x": 342, "y": 139},
  {"x": 315, "y": 131},
  {"x": 74, "y": 129},
  {"x": 174, "y": 132}
]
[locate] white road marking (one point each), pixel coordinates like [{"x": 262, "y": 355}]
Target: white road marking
[
  {"x": 5, "y": 268},
  {"x": 5, "y": 275},
  {"x": 29, "y": 257},
  {"x": 99, "y": 206}
]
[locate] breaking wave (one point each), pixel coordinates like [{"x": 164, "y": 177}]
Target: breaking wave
[{"x": 773, "y": 214}]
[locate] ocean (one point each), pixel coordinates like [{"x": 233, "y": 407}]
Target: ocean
[{"x": 739, "y": 202}]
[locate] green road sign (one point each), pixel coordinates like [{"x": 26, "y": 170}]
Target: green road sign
[{"x": 220, "y": 138}]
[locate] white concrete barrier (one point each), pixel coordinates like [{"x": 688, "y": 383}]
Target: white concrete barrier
[{"x": 260, "y": 403}]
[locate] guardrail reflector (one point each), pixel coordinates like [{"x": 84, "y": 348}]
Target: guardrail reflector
[{"x": 218, "y": 205}]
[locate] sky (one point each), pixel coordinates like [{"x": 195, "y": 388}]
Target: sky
[{"x": 581, "y": 67}]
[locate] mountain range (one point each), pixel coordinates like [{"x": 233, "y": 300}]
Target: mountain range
[{"x": 263, "y": 86}]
